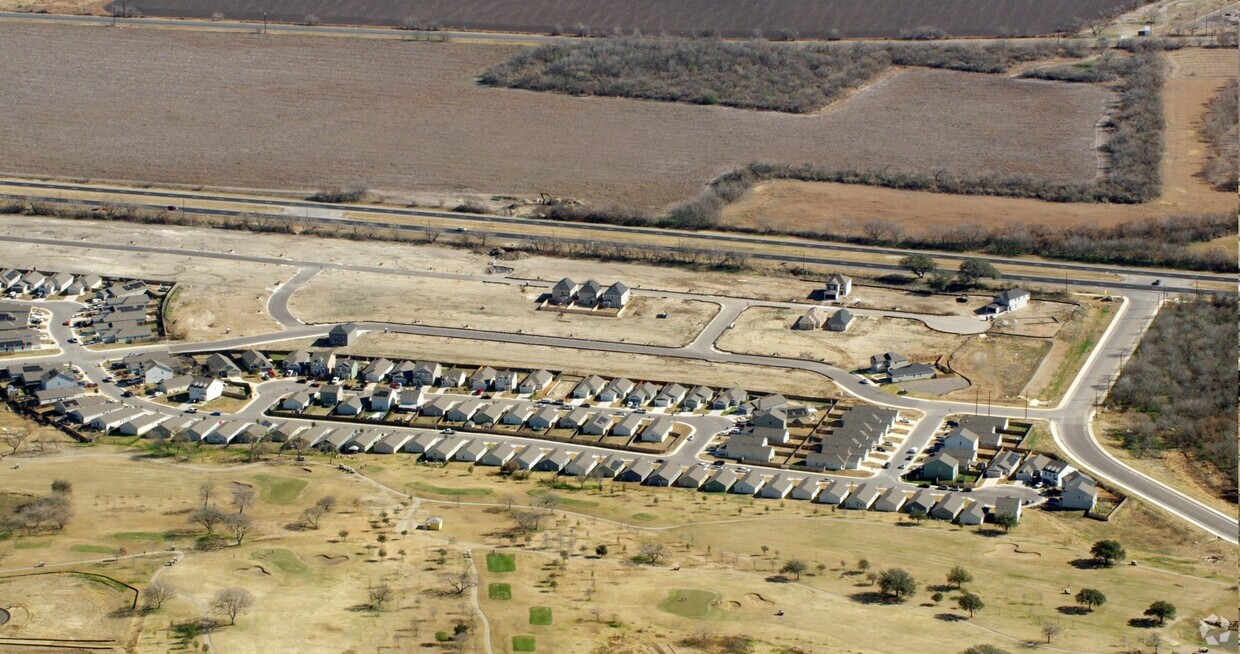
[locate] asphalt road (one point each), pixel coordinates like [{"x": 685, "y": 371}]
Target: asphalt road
[
  {"x": 1059, "y": 272},
  {"x": 1069, "y": 420}
]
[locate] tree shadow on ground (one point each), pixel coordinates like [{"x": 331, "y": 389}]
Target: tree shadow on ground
[
  {"x": 1086, "y": 564},
  {"x": 1073, "y": 610},
  {"x": 872, "y": 597},
  {"x": 989, "y": 532},
  {"x": 1143, "y": 623},
  {"x": 949, "y": 617}
]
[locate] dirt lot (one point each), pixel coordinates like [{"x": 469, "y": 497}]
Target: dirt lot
[
  {"x": 762, "y": 330},
  {"x": 64, "y": 605},
  {"x": 470, "y": 139},
  {"x": 339, "y": 296},
  {"x": 1194, "y": 76},
  {"x": 213, "y": 296},
  {"x": 997, "y": 366}
]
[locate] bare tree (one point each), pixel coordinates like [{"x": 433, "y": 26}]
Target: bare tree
[
  {"x": 238, "y": 525},
  {"x": 1050, "y": 630},
  {"x": 232, "y": 602},
  {"x": 652, "y": 552},
  {"x": 242, "y": 497},
  {"x": 507, "y": 500},
  {"x": 459, "y": 582},
  {"x": 206, "y": 491},
  {"x": 527, "y": 521},
  {"x": 312, "y": 516},
  {"x": 15, "y": 440},
  {"x": 327, "y": 503},
  {"x": 549, "y": 501},
  {"x": 157, "y": 593},
  {"x": 208, "y": 517},
  {"x": 379, "y": 595}
]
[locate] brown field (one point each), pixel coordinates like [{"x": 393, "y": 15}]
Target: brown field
[
  {"x": 425, "y": 125},
  {"x": 809, "y": 18},
  {"x": 341, "y": 296},
  {"x": 1194, "y": 77}
]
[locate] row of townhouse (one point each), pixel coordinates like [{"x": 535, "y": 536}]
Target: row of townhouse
[
  {"x": 861, "y": 431},
  {"x": 590, "y": 294}
]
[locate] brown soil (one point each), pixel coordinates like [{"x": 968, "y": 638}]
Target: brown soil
[
  {"x": 425, "y": 124},
  {"x": 1194, "y": 76}
]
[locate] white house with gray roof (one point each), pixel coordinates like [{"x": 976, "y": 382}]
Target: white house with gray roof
[{"x": 535, "y": 381}]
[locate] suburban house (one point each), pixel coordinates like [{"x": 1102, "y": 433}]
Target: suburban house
[
  {"x": 598, "y": 425},
  {"x": 58, "y": 378},
  {"x": 464, "y": 410},
  {"x": 721, "y": 482},
  {"x": 421, "y": 443},
  {"x": 453, "y": 378},
  {"x": 588, "y": 294},
  {"x": 312, "y": 436},
  {"x": 1003, "y": 464},
  {"x": 517, "y": 413},
  {"x": 410, "y": 399},
  {"x": 837, "y": 288},
  {"x": 1009, "y": 300},
  {"x": 205, "y": 389},
  {"x": 962, "y": 444},
  {"x": 890, "y": 501},
  {"x": 987, "y": 428},
  {"x": 883, "y": 362},
  {"x": 226, "y": 433},
  {"x": 749, "y": 448},
  {"x": 772, "y": 424},
  {"x": 730, "y": 399},
  {"x": 922, "y": 502},
  {"x": 535, "y": 381},
  {"x": 671, "y": 395},
  {"x": 610, "y": 467},
  {"x": 444, "y": 449},
  {"x": 544, "y": 419},
  {"x": 346, "y": 368},
  {"x": 130, "y": 288},
  {"x": 426, "y": 373},
  {"x": 554, "y": 461},
  {"x": 750, "y": 484},
  {"x": 255, "y": 362},
  {"x": 440, "y": 405},
  {"x": 631, "y": 425},
  {"x": 31, "y": 282},
  {"x": 299, "y": 401},
  {"x": 114, "y": 419},
  {"x": 643, "y": 393},
  {"x": 1009, "y": 505},
  {"x": 693, "y": 477},
  {"x": 777, "y": 488},
  {"x": 864, "y": 497},
  {"x": 331, "y": 394},
  {"x": 1079, "y": 492},
  {"x": 698, "y": 398},
  {"x": 491, "y": 414},
  {"x": 941, "y": 467},
  {"x": 384, "y": 398},
  {"x": 564, "y": 291},
  {"x": 808, "y": 321},
  {"x": 617, "y": 389},
  {"x": 949, "y": 507},
  {"x": 483, "y": 379},
  {"x": 172, "y": 427},
  {"x": 9, "y": 277},
  {"x": 320, "y": 363},
  {"x": 142, "y": 424},
  {"x": 53, "y": 395},
  {"x": 806, "y": 490},
  {"x": 665, "y": 475},
  {"x": 615, "y": 297},
  {"x": 637, "y": 472},
  {"x": 505, "y": 381},
  {"x": 152, "y": 370},
  {"x": 295, "y": 363},
  {"x": 497, "y": 456},
  {"x": 377, "y": 370},
  {"x": 1044, "y": 469},
  {"x": 581, "y": 465},
  {"x": 840, "y": 321},
  {"x": 472, "y": 451},
  {"x": 83, "y": 412},
  {"x": 363, "y": 441},
  {"x": 972, "y": 515},
  {"x": 575, "y": 419},
  {"x": 589, "y": 387},
  {"x": 350, "y": 407},
  {"x": 772, "y": 401},
  {"x": 56, "y": 284},
  {"x": 221, "y": 366},
  {"x": 657, "y": 431},
  {"x": 343, "y": 335},
  {"x": 862, "y": 430},
  {"x": 391, "y": 443},
  {"x": 911, "y": 372}
]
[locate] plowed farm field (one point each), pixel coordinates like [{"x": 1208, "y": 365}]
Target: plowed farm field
[
  {"x": 293, "y": 112},
  {"x": 808, "y": 18},
  {"x": 1194, "y": 76}
]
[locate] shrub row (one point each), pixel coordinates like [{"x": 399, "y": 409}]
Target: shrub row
[{"x": 1223, "y": 163}]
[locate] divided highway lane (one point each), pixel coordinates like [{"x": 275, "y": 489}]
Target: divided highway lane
[{"x": 507, "y": 220}]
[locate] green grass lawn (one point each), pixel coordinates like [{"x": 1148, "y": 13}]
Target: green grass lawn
[
  {"x": 498, "y": 562},
  {"x": 499, "y": 591},
  {"x": 689, "y": 603},
  {"x": 93, "y": 549},
  {"x": 280, "y": 490},
  {"x": 31, "y": 544},
  {"x": 540, "y": 615},
  {"x": 142, "y": 536},
  {"x": 427, "y": 488},
  {"x": 283, "y": 559},
  {"x": 522, "y": 643}
]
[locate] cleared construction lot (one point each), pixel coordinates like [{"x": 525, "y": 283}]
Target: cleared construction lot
[
  {"x": 341, "y": 296},
  {"x": 302, "y": 126}
]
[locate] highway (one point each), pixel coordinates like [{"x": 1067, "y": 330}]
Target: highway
[
  {"x": 815, "y": 252},
  {"x": 1069, "y": 420}
]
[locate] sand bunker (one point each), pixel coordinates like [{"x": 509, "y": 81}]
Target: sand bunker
[
  {"x": 1011, "y": 550},
  {"x": 332, "y": 560},
  {"x": 757, "y": 598},
  {"x": 256, "y": 570}
]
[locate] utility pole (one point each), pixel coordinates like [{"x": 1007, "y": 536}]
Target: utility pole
[
  {"x": 988, "y": 404},
  {"x": 264, "y": 22},
  {"x": 976, "y": 401}
]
